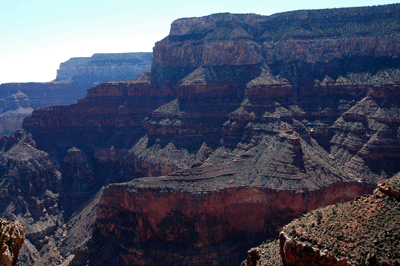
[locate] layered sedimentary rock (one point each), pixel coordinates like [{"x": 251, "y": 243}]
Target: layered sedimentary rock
[
  {"x": 239, "y": 126},
  {"x": 11, "y": 239},
  {"x": 209, "y": 222},
  {"x": 45, "y": 93},
  {"x": 101, "y": 68},
  {"x": 73, "y": 79},
  {"x": 29, "y": 192},
  {"x": 355, "y": 233},
  {"x": 360, "y": 232}
]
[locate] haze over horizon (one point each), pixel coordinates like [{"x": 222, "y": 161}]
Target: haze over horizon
[{"x": 39, "y": 35}]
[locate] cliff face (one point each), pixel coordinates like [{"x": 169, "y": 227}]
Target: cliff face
[
  {"x": 73, "y": 79},
  {"x": 198, "y": 225},
  {"x": 300, "y": 46},
  {"x": 359, "y": 232},
  {"x": 363, "y": 231},
  {"x": 34, "y": 95},
  {"x": 104, "y": 68},
  {"x": 46, "y": 93},
  {"x": 237, "y": 128}
]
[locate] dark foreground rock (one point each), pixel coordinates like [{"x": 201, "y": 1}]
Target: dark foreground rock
[{"x": 11, "y": 239}]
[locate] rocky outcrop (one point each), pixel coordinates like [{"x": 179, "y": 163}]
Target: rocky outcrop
[
  {"x": 267, "y": 254},
  {"x": 230, "y": 125},
  {"x": 13, "y": 110},
  {"x": 29, "y": 192},
  {"x": 11, "y": 240},
  {"x": 360, "y": 232},
  {"x": 300, "y": 254}
]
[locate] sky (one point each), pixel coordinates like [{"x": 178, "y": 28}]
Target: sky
[{"x": 37, "y": 35}]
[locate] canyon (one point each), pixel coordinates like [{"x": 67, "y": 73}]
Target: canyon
[
  {"x": 243, "y": 123},
  {"x": 74, "y": 77}
]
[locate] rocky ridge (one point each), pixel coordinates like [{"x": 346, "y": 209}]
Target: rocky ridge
[
  {"x": 225, "y": 125},
  {"x": 360, "y": 232}
]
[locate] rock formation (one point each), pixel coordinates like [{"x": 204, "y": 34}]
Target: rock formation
[
  {"x": 243, "y": 123},
  {"x": 13, "y": 110},
  {"x": 74, "y": 77},
  {"x": 104, "y": 68},
  {"x": 361, "y": 232},
  {"x": 11, "y": 240}
]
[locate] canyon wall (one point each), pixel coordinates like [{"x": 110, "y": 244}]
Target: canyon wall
[
  {"x": 35, "y": 95},
  {"x": 101, "y": 68},
  {"x": 238, "y": 127},
  {"x": 45, "y": 93},
  {"x": 73, "y": 79},
  {"x": 368, "y": 222},
  {"x": 209, "y": 226},
  {"x": 359, "y": 232}
]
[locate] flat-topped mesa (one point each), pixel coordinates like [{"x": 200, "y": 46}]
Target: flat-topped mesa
[
  {"x": 311, "y": 44},
  {"x": 104, "y": 67},
  {"x": 269, "y": 28}
]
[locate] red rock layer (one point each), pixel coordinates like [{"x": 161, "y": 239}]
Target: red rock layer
[
  {"x": 106, "y": 106},
  {"x": 204, "y": 221},
  {"x": 352, "y": 233}
]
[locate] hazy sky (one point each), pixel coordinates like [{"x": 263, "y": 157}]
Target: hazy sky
[{"x": 37, "y": 35}]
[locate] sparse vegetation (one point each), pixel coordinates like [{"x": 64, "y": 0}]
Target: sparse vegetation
[
  {"x": 394, "y": 183},
  {"x": 318, "y": 216},
  {"x": 314, "y": 24},
  {"x": 365, "y": 231},
  {"x": 269, "y": 253},
  {"x": 383, "y": 76}
]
